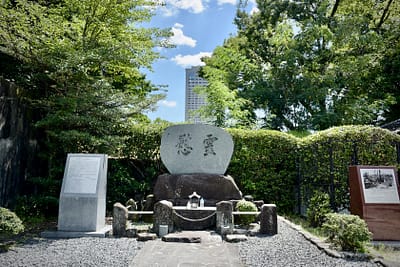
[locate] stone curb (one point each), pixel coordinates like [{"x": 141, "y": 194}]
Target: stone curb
[{"x": 322, "y": 245}]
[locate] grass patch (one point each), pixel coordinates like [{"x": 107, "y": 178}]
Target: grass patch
[
  {"x": 306, "y": 226},
  {"x": 386, "y": 252}
]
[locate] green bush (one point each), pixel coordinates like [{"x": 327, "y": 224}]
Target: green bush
[
  {"x": 10, "y": 223},
  {"x": 244, "y": 205},
  {"x": 349, "y": 232},
  {"x": 29, "y": 206},
  {"x": 264, "y": 166},
  {"x": 127, "y": 179},
  {"x": 318, "y": 207},
  {"x": 272, "y": 166},
  {"x": 324, "y": 158}
]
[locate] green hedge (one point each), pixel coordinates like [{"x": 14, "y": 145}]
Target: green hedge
[
  {"x": 264, "y": 165},
  {"x": 324, "y": 158},
  {"x": 276, "y": 167}
]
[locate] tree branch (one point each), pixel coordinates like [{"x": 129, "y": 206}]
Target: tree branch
[
  {"x": 385, "y": 15},
  {"x": 335, "y": 7}
]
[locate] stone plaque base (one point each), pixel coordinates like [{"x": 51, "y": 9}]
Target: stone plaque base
[{"x": 104, "y": 232}]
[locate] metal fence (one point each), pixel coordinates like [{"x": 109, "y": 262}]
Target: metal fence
[{"x": 326, "y": 169}]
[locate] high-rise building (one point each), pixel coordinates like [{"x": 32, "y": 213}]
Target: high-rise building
[{"x": 193, "y": 101}]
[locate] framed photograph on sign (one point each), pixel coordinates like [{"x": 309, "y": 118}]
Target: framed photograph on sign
[{"x": 379, "y": 185}]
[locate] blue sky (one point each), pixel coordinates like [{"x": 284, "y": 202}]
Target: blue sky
[{"x": 198, "y": 27}]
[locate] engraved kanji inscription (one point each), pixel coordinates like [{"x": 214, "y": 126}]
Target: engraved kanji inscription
[
  {"x": 209, "y": 145},
  {"x": 183, "y": 144}
]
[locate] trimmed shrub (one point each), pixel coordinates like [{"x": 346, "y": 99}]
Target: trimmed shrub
[
  {"x": 274, "y": 166},
  {"x": 244, "y": 205},
  {"x": 317, "y": 209},
  {"x": 264, "y": 166},
  {"x": 349, "y": 232},
  {"x": 324, "y": 158},
  {"x": 10, "y": 223}
]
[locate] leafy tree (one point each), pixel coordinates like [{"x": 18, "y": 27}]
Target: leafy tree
[
  {"x": 318, "y": 63},
  {"x": 225, "y": 70},
  {"x": 82, "y": 62},
  {"x": 79, "y": 65}
]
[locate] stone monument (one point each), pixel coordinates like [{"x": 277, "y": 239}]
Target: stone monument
[
  {"x": 197, "y": 157},
  {"x": 82, "y": 204},
  {"x": 196, "y": 148}
]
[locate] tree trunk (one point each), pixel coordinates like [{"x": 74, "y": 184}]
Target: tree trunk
[{"x": 17, "y": 149}]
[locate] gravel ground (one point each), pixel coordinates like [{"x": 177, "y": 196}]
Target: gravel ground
[
  {"x": 88, "y": 251},
  {"x": 287, "y": 248}
]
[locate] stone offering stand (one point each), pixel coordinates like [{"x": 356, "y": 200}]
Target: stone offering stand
[{"x": 196, "y": 195}]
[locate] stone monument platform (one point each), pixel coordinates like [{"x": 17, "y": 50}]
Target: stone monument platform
[{"x": 211, "y": 187}]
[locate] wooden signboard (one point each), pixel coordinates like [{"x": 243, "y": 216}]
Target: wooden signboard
[{"x": 374, "y": 196}]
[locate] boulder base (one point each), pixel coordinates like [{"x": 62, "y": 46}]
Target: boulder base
[{"x": 213, "y": 188}]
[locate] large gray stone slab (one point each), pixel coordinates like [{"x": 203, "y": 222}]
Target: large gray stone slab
[
  {"x": 196, "y": 148},
  {"x": 235, "y": 238},
  {"x": 82, "y": 205},
  {"x": 183, "y": 237}
]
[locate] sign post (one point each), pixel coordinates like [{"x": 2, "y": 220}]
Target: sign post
[{"x": 374, "y": 196}]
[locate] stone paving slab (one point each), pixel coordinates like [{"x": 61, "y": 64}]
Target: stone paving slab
[
  {"x": 184, "y": 237},
  {"x": 212, "y": 251},
  {"x": 236, "y": 238}
]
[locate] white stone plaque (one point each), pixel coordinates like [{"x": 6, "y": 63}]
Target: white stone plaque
[
  {"x": 82, "y": 175},
  {"x": 379, "y": 186},
  {"x": 196, "y": 148},
  {"x": 83, "y": 194}
]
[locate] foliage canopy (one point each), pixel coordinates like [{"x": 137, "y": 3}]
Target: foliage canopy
[
  {"x": 310, "y": 64},
  {"x": 79, "y": 69}
]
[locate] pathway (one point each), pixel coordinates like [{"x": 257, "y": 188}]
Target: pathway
[{"x": 210, "y": 252}]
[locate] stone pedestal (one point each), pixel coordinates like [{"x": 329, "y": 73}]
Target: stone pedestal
[
  {"x": 224, "y": 224},
  {"x": 268, "y": 220},
  {"x": 213, "y": 188},
  {"x": 120, "y": 219},
  {"x": 163, "y": 215}
]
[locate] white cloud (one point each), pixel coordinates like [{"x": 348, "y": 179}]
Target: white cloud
[
  {"x": 221, "y": 2},
  {"x": 191, "y": 60},
  {"x": 168, "y": 104},
  {"x": 254, "y": 10},
  {"x": 168, "y": 12},
  {"x": 194, "y": 6},
  {"x": 179, "y": 37}
]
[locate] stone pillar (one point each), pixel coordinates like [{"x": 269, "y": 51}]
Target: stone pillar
[
  {"x": 120, "y": 219},
  {"x": 163, "y": 215},
  {"x": 268, "y": 220},
  {"x": 224, "y": 223},
  {"x": 149, "y": 203}
]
